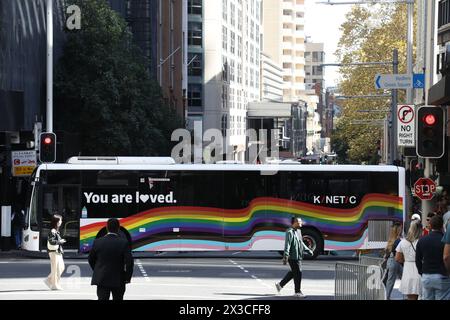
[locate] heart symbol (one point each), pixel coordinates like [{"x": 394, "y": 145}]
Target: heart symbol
[{"x": 144, "y": 198}]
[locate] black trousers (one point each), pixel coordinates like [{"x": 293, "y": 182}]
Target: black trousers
[
  {"x": 103, "y": 293},
  {"x": 294, "y": 273}
]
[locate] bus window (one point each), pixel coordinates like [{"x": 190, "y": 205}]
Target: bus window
[
  {"x": 384, "y": 183},
  {"x": 243, "y": 187},
  {"x": 201, "y": 189},
  {"x": 71, "y": 177},
  {"x": 107, "y": 194}
]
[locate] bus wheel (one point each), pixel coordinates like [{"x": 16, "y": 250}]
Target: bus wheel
[{"x": 314, "y": 241}]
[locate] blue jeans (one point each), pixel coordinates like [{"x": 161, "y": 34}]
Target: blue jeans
[
  {"x": 435, "y": 287},
  {"x": 394, "y": 271},
  {"x": 18, "y": 236}
]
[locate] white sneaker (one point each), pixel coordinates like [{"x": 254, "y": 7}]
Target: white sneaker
[
  {"x": 47, "y": 284},
  {"x": 57, "y": 288},
  {"x": 300, "y": 295},
  {"x": 278, "y": 286}
]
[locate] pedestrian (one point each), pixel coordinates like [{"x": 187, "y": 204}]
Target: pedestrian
[
  {"x": 55, "y": 251},
  {"x": 426, "y": 230},
  {"x": 411, "y": 284},
  {"x": 394, "y": 269},
  {"x": 446, "y": 218},
  {"x": 430, "y": 265},
  {"x": 446, "y": 256},
  {"x": 294, "y": 248},
  {"x": 111, "y": 260},
  {"x": 18, "y": 222}
]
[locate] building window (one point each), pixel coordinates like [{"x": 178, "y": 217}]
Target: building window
[
  {"x": 232, "y": 70},
  {"x": 317, "y": 56},
  {"x": 240, "y": 20},
  {"x": 239, "y": 73},
  {"x": 252, "y": 30},
  {"x": 252, "y": 53},
  {"x": 252, "y": 79},
  {"x": 317, "y": 71},
  {"x": 224, "y": 38},
  {"x": 257, "y": 56},
  {"x": 257, "y": 80},
  {"x": 239, "y": 45},
  {"x": 224, "y": 124},
  {"x": 232, "y": 14},
  {"x": 195, "y": 95},
  {"x": 233, "y": 40},
  {"x": 257, "y": 34},
  {"x": 195, "y": 67},
  {"x": 195, "y": 34},
  {"x": 225, "y": 10},
  {"x": 195, "y": 7},
  {"x": 257, "y": 11},
  {"x": 225, "y": 69}
]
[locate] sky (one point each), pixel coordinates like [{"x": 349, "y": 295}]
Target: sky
[{"x": 322, "y": 24}]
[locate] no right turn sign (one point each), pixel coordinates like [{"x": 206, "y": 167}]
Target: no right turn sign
[{"x": 406, "y": 115}]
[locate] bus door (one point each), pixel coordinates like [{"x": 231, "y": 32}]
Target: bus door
[{"x": 65, "y": 201}]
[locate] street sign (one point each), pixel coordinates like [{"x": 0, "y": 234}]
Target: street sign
[
  {"x": 424, "y": 188},
  {"x": 23, "y": 163},
  {"x": 400, "y": 81},
  {"x": 419, "y": 80},
  {"x": 393, "y": 81},
  {"x": 406, "y": 126}
]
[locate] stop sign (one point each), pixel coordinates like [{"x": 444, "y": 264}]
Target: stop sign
[{"x": 424, "y": 188}]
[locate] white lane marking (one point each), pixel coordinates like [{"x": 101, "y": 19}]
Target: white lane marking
[
  {"x": 251, "y": 275},
  {"x": 143, "y": 272}
]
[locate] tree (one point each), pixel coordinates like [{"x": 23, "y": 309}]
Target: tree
[
  {"x": 104, "y": 92},
  {"x": 370, "y": 33}
]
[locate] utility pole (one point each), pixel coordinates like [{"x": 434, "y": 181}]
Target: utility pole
[
  {"x": 393, "y": 116},
  {"x": 409, "y": 49},
  {"x": 49, "y": 66},
  {"x": 429, "y": 76}
]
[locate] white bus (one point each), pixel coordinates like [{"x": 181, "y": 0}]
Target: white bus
[{"x": 163, "y": 206}]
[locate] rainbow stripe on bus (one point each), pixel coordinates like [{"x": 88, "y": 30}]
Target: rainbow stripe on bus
[{"x": 265, "y": 219}]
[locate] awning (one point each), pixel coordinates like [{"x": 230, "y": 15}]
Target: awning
[{"x": 269, "y": 110}]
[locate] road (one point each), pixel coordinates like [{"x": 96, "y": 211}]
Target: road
[{"x": 175, "y": 276}]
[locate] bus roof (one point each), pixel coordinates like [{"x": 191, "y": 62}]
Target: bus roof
[{"x": 220, "y": 167}]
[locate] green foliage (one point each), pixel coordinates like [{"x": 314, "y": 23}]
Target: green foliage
[
  {"x": 370, "y": 34},
  {"x": 103, "y": 90}
]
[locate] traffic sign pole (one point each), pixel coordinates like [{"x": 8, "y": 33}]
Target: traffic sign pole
[{"x": 393, "y": 127}]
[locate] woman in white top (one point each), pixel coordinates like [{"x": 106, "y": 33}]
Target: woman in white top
[{"x": 411, "y": 284}]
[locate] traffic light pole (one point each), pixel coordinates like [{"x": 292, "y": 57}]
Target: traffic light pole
[
  {"x": 49, "y": 120},
  {"x": 393, "y": 117}
]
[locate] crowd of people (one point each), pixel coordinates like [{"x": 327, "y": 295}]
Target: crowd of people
[{"x": 422, "y": 258}]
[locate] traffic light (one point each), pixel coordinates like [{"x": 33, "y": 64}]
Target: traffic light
[
  {"x": 47, "y": 147},
  {"x": 430, "y": 132}
]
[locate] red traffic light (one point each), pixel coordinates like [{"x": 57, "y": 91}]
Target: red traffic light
[
  {"x": 430, "y": 119},
  {"x": 47, "y": 140}
]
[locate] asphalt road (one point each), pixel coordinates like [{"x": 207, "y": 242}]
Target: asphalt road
[{"x": 172, "y": 276}]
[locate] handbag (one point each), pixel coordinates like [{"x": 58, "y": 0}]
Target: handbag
[{"x": 52, "y": 247}]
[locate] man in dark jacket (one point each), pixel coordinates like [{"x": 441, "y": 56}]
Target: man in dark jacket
[
  {"x": 112, "y": 263},
  {"x": 429, "y": 263}
]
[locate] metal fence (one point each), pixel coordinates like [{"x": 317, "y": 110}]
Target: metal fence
[
  {"x": 370, "y": 261},
  {"x": 356, "y": 281}
]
